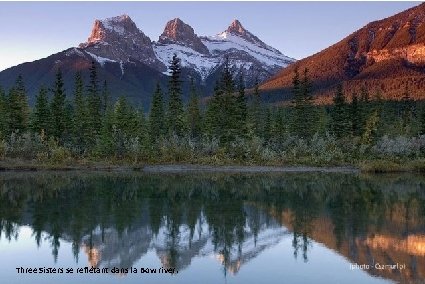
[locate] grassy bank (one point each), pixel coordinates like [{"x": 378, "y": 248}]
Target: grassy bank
[
  {"x": 396, "y": 154},
  {"x": 366, "y": 166}
]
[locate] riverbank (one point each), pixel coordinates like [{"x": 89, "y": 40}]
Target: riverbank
[{"x": 373, "y": 166}]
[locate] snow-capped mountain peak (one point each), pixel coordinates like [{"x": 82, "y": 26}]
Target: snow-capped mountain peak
[
  {"x": 237, "y": 30},
  {"x": 110, "y": 28},
  {"x": 119, "y": 39}
]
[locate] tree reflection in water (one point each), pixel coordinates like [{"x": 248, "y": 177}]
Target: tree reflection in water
[{"x": 117, "y": 218}]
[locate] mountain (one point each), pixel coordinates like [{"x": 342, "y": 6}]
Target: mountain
[
  {"x": 118, "y": 39},
  {"x": 382, "y": 57},
  {"x": 204, "y": 55},
  {"x": 132, "y": 64}
]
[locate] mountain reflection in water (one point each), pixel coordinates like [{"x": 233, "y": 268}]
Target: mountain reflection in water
[{"x": 117, "y": 218}]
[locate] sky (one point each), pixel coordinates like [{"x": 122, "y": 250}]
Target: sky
[{"x": 34, "y": 30}]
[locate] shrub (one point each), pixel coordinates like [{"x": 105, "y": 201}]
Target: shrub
[
  {"x": 25, "y": 146},
  {"x": 399, "y": 147}
]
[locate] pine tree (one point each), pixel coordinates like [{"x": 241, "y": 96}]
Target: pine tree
[
  {"x": 279, "y": 125},
  {"x": 255, "y": 112},
  {"x": 106, "y": 145},
  {"x": 267, "y": 129},
  {"x": 193, "y": 112},
  {"x": 18, "y": 107},
  {"x": 94, "y": 106},
  {"x": 355, "y": 116},
  {"x": 297, "y": 102},
  {"x": 105, "y": 97},
  {"x": 142, "y": 134},
  {"x": 229, "y": 119},
  {"x": 422, "y": 120},
  {"x": 370, "y": 133},
  {"x": 214, "y": 114},
  {"x": 175, "y": 104},
  {"x": 309, "y": 111},
  {"x": 304, "y": 117},
  {"x": 57, "y": 107},
  {"x": 123, "y": 117},
  {"x": 3, "y": 114},
  {"x": 42, "y": 117},
  {"x": 122, "y": 125},
  {"x": 340, "y": 125},
  {"x": 68, "y": 123},
  {"x": 406, "y": 111},
  {"x": 365, "y": 107},
  {"x": 241, "y": 108},
  {"x": 157, "y": 115},
  {"x": 80, "y": 113}
]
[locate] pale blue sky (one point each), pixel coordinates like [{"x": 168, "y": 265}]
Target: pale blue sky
[{"x": 33, "y": 30}]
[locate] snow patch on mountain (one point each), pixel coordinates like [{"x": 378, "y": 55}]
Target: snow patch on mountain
[
  {"x": 113, "y": 24},
  {"x": 122, "y": 68},
  {"x": 99, "y": 59},
  {"x": 202, "y": 63},
  {"x": 227, "y": 41}
]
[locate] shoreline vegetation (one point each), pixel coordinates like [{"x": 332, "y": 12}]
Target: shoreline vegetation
[{"x": 228, "y": 131}]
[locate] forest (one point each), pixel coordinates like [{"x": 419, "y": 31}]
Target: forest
[{"x": 234, "y": 126}]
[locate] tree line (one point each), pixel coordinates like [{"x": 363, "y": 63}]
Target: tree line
[{"x": 230, "y": 122}]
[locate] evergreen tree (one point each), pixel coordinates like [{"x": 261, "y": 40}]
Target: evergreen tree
[
  {"x": 378, "y": 106},
  {"x": 340, "y": 125},
  {"x": 193, "y": 112},
  {"x": 309, "y": 111},
  {"x": 356, "y": 116},
  {"x": 42, "y": 118},
  {"x": 365, "y": 107},
  {"x": 406, "y": 111},
  {"x": 68, "y": 134},
  {"x": 267, "y": 129},
  {"x": 123, "y": 118},
  {"x": 279, "y": 125},
  {"x": 80, "y": 113},
  {"x": 142, "y": 134},
  {"x": 175, "y": 104},
  {"x": 228, "y": 106},
  {"x": 371, "y": 128},
  {"x": 105, "y": 97},
  {"x": 297, "y": 102},
  {"x": 422, "y": 120},
  {"x": 157, "y": 115},
  {"x": 122, "y": 125},
  {"x": 241, "y": 108},
  {"x": 106, "y": 145},
  {"x": 214, "y": 114},
  {"x": 94, "y": 106},
  {"x": 3, "y": 114},
  {"x": 18, "y": 107},
  {"x": 57, "y": 107},
  {"x": 304, "y": 118},
  {"x": 255, "y": 111}
]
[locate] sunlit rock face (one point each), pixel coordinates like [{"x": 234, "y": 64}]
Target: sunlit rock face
[
  {"x": 178, "y": 32},
  {"x": 414, "y": 54},
  {"x": 118, "y": 39}
]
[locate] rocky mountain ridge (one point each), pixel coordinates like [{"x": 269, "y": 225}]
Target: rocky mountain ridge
[{"x": 384, "y": 57}]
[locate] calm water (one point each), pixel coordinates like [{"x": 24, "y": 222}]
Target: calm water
[{"x": 212, "y": 228}]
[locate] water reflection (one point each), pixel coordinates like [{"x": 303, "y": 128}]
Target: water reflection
[{"x": 115, "y": 219}]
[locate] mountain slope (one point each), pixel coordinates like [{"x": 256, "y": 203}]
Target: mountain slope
[
  {"x": 136, "y": 82},
  {"x": 382, "y": 56}
]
